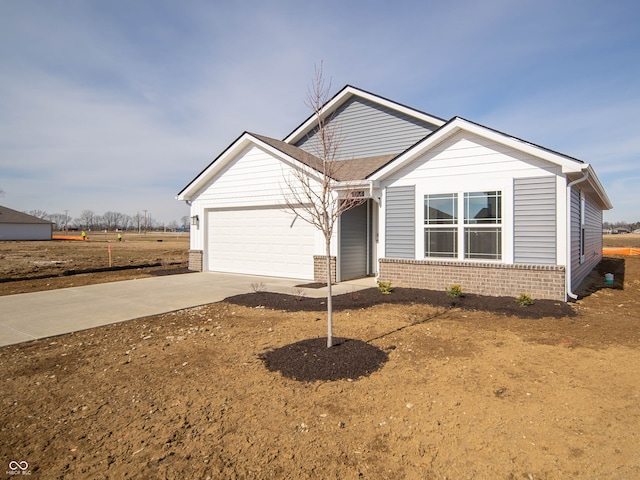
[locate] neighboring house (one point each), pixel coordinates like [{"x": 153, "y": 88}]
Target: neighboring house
[
  {"x": 447, "y": 202},
  {"x": 16, "y": 225}
]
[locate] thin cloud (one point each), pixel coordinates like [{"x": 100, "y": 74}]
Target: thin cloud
[{"x": 117, "y": 105}]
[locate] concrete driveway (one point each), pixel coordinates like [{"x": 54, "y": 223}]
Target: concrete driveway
[{"x": 31, "y": 316}]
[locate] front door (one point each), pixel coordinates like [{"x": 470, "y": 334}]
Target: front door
[{"x": 353, "y": 250}]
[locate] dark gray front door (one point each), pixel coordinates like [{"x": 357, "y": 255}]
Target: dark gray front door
[{"x": 353, "y": 243}]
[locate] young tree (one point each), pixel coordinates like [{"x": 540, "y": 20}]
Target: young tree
[{"x": 311, "y": 192}]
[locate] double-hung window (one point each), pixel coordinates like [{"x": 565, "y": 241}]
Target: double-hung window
[
  {"x": 441, "y": 225},
  {"x": 483, "y": 225},
  {"x": 479, "y": 229}
]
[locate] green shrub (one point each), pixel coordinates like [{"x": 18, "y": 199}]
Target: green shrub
[
  {"x": 385, "y": 287},
  {"x": 455, "y": 291},
  {"x": 524, "y": 300}
]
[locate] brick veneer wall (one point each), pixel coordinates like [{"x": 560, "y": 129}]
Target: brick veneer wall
[
  {"x": 539, "y": 281},
  {"x": 320, "y": 269},
  {"x": 195, "y": 260}
]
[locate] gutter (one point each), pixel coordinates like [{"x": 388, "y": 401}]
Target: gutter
[{"x": 567, "y": 279}]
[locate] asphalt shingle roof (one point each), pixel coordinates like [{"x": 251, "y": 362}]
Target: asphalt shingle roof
[
  {"x": 354, "y": 169},
  {"x": 7, "y": 215}
]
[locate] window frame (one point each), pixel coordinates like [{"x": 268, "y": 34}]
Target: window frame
[
  {"x": 463, "y": 225},
  {"x": 436, "y": 225}
]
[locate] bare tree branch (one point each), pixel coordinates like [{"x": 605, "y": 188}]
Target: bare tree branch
[{"x": 312, "y": 192}]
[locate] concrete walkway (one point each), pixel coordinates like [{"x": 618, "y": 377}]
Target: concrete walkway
[{"x": 31, "y": 316}]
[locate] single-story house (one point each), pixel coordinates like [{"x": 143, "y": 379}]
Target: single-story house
[
  {"x": 16, "y": 225},
  {"x": 445, "y": 202}
]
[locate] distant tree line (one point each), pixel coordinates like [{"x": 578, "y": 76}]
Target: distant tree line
[
  {"x": 621, "y": 226},
  {"x": 89, "y": 220}
]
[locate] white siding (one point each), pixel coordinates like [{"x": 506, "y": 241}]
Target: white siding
[
  {"x": 253, "y": 179},
  {"x": 466, "y": 159},
  {"x": 465, "y": 162}
]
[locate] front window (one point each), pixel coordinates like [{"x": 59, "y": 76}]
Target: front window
[
  {"x": 483, "y": 210},
  {"x": 479, "y": 230},
  {"x": 440, "y": 214}
]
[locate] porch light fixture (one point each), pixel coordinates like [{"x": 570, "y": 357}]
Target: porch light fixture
[{"x": 195, "y": 220}]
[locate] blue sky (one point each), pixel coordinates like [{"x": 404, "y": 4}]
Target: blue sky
[{"x": 116, "y": 105}]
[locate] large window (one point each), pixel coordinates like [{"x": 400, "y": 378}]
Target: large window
[{"x": 479, "y": 229}]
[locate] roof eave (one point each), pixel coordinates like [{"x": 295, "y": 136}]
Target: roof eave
[
  {"x": 457, "y": 124},
  {"x": 191, "y": 190}
]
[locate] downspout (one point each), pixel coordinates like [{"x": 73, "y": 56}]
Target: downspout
[{"x": 567, "y": 280}]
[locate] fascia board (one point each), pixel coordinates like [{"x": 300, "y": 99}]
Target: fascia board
[
  {"x": 214, "y": 167},
  {"x": 332, "y": 104},
  {"x": 457, "y": 124},
  {"x": 569, "y": 165},
  {"x": 412, "y": 112},
  {"x": 246, "y": 139},
  {"x": 350, "y": 184},
  {"x": 347, "y": 92},
  {"x": 598, "y": 188}
]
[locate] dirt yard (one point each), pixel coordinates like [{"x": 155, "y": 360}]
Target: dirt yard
[
  {"x": 469, "y": 388},
  {"x": 36, "y": 266}
]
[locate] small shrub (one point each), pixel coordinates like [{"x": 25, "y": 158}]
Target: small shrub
[
  {"x": 455, "y": 291},
  {"x": 257, "y": 287},
  {"x": 385, "y": 287},
  {"x": 524, "y": 300}
]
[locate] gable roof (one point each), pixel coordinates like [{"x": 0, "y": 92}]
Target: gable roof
[
  {"x": 356, "y": 169},
  {"x": 343, "y": 96},
  {"x": 571, "y": 167},
  {"x": 376, "y": 168},
  {"x": 8, "y": 215}
]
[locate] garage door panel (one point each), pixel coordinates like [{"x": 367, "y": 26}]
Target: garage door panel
[{"x": 264, "y": 241}]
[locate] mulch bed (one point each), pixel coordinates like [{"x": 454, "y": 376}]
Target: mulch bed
[
  {"x": 404, "y": 296},
  {"x": 310, "y": 360}
]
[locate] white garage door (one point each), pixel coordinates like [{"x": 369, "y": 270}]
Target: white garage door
[{"x": 263, "y": 241}]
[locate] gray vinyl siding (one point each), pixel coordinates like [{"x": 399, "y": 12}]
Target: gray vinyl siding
[
  {"x": 353, "y": 243},
  {"x": 366, "y": 129},
  {"x": 400, "y": 222},
  {"x": 534, "y": 219},
  {"x": 593, "y": 238}
]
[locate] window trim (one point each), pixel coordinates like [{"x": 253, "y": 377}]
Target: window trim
[{"x": 464, "y": 225}]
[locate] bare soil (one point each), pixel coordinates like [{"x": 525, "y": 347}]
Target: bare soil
[
  {"x": 458, "y": 388},
  {"x": 49, "y": 265}
]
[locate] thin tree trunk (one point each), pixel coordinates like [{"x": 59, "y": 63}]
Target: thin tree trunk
[{"x": 329, "y": 297}]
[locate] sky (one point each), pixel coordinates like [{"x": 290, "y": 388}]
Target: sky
[{"x": 117, "y": 105}]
